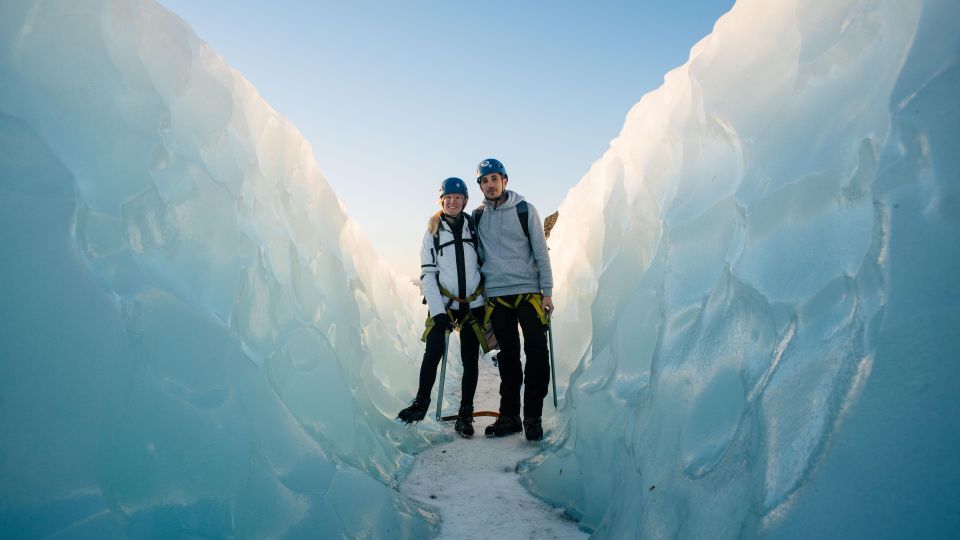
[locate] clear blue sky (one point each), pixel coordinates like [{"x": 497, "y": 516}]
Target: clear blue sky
[{"x": 396, "y": 96}]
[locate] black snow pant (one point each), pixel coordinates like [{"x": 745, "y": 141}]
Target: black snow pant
[
  {"x": 469, "y": 354},
  {"x": 536, "y": 378}
]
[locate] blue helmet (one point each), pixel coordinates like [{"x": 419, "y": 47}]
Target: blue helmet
[
  {"x": 452, "y": 186},
  {"x": 488, "y": 166}
]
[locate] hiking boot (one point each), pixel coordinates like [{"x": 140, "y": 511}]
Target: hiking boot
[
  {"x": 504, "y": 425},
  {"x": 464, "y": 425},
  {"x": 416, "y": 411},
  {"x": 533, "y": 429}
]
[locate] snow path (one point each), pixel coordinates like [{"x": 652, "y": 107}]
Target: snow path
[{"x": 473, "y": 482}]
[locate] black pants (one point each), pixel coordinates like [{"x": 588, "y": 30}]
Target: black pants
[
  {"x": 536, "y": 378},
  {"x": 469, "y": 353}
]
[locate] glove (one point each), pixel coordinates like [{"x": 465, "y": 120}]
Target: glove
[{"x": 442, "y": 320}]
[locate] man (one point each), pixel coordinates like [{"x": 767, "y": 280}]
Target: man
[{"x": 519, "y": 289}]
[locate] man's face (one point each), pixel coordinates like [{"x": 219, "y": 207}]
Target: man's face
[
  {"x": 492, "y": 185},
  {"x": 453, "y": 204}
]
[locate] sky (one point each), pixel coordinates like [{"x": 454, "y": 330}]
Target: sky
[{"x": 396, "y": 96}]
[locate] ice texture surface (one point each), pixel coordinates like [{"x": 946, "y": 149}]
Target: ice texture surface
[
  {"x": 190, "y": 343},
  {"x": 757, "y": 287}
]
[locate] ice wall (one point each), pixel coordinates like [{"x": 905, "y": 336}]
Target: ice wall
[
  {"x": 191, "y": 343},
  {"x": 767, "y": 260}
]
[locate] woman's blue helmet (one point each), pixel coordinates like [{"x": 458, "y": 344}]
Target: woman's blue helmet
[
  {"x": 453, "y": 185},
  {"x": 488, "y": 166}
]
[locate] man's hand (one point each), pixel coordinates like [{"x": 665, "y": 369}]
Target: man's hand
[{"x": 548, "y": 305}]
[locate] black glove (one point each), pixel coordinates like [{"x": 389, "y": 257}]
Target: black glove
[{"x": 441, "y": 320}]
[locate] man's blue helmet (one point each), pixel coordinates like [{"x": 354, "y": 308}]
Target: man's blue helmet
[
  {"x": 452, "y": 185},
  {"x": 488, "y": 166}
]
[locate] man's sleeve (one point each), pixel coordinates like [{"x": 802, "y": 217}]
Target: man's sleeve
[
  {"x": 428, "y": 276},
  {"x": 540, "y": 254}
]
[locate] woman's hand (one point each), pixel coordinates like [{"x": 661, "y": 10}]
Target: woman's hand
[{"x": 442, "y": 320}]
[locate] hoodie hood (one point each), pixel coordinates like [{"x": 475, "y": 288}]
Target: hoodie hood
[{"x": 512, "y": 199}]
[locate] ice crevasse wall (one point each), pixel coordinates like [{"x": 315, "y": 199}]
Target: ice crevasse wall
[
  {"x": 756, "y": 288},
  {"x": 190, "y": 345},
  {"x": 767, "y": 256}
]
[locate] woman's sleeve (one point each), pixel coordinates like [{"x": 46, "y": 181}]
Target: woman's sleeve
[{"x": 428, "y": 276}]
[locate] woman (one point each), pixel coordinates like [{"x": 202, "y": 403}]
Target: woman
[{"x": 453, "y": 290}]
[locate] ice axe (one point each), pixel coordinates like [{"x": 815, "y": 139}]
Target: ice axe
[
  {"x": 443, "y": 371},
  {"x": 553, "y": 361}
]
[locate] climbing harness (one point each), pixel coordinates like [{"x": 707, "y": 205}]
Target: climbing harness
[{"x": 535, "y": 299}]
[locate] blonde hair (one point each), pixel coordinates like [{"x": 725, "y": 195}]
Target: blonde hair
[{"x": 434, "y": 222}]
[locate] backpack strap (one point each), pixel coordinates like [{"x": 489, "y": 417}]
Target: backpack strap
[
  {"x": 471, "y": 226},
  {"x": 474, "y": 237},
  {"x": 523, "y": 214}
]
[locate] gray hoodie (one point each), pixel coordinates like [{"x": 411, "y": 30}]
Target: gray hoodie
[{"x": 513, "y": 264}]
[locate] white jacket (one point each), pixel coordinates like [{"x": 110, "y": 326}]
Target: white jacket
[{"x": 444, "y": 265}]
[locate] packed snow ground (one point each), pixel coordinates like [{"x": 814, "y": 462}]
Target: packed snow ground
[{"x": 473, "y": 482}]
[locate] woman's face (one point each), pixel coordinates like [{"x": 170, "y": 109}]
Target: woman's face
[{"x": 452, "y": 204}]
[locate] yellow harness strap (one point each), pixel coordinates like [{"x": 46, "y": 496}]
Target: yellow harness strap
[
  {"x": 469, "y": 320},
  {"x": 429, "y": 326},
  {"x": 476, "y": 294},
  {"x": 535, "y": 299},
  {"x": 477, "y": 329}
]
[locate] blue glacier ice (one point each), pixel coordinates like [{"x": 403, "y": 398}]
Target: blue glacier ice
[
  {"x": 768, "y": 257},
  {"x": 190, "y": 346},
  {"x": 757, "y": 294}
]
